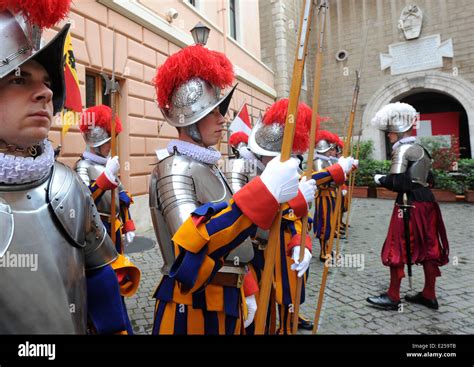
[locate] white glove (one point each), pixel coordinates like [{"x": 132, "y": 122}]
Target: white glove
[
  {"x": 377, "y": 178},
  {"x": 347, "y": 164},
  {"x": 304, "y": 265},
  {"x": 308, "y": 189},
  {"x": 281, "y": 178},
  {"x": 130, "y": 236},
  {"x": 251, "y": 309},
  {"x": 344, "y": 192},
  {"x": 112, "y": 168}
]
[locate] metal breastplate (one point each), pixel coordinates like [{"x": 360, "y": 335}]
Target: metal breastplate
[
  {"x": 322, "y": 163},
  {"x": 90, "y": 171},
  {"x": 239, "y": 172},
  {"x": 319, "y": 164},
  {"x": 52, "y": 298},
  {"x": 178, "y": 186},
  {"x": 414, "y": 158}
]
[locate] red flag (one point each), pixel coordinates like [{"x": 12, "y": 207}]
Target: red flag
[{"x": 241, "y": 122}]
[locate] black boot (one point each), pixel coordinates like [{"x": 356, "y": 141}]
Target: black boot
[
  {"x": 418, "y": 298},
  {"x": 304, "y": 323},
  {"x": 383, "y": 301}
]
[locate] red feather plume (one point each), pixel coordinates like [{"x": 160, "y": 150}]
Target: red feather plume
[
  {"x": 277, "y": 114},
  {"x": 192, "y": 61},
  {"x": 43, "y": 13},
  {"x": 325, "y": 135},
  {"x": 99, "y": 116},
  {"x": 237, "y": 138}
]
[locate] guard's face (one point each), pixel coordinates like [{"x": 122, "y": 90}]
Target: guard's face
[
  {"x": 26, "y": 105},
  {"x": 332, "y": 152},
  {"x": 211, "y": 127},
  {"x": 393, "y": 137},
  {"x": 104, "y": 149}
]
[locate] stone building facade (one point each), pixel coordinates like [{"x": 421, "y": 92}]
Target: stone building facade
[{"x": 434, "y": 72}]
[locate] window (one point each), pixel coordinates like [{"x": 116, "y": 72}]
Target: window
[
  {"x": 95, "y": 89},
  {"x": 233, "y": 19}
]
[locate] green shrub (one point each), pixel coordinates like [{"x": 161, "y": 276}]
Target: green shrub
[
  {"x": 466, "y": 170},
  {"x": 368, "y": 169}
]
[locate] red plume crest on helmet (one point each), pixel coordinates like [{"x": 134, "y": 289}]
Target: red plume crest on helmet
[
  {"x": 325, "y": 135},
  {"x": 99, "y": 116},
  {"x": 43, "y": 13},
  {"x": 237, "y": 138},
  {"x": 277, "y": 112},
  {"x": 192, "y": 61}
]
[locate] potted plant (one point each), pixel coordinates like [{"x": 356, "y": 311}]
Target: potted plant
[
  {"x": 383, "y": 168},
  {"x": 466, "y": 168},
  {"x": 445, "y": 186},
  {"x": 363, "y": 175}
]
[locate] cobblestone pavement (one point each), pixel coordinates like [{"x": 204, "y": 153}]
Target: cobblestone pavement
[{"x": 345, "y": 310}]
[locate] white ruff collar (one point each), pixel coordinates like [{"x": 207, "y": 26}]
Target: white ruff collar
[
  {"x": 201, "y": 154},
  {"x": 94, "y": 158},
  {"x": 20, "y": 170},
  {"x": 407, "y": 140}
]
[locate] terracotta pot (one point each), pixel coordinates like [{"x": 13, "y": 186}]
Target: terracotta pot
[
  {"x": 383, "y": 193},
  {"x": 444, "y": 195},
  {"x": 360, "y": 191},
  {"x": 469, "y": 196}
]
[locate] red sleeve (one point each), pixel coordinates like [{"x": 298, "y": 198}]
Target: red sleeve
[
  {"x": 250, "y": 285},
  {"x": 296, "y": 241},
  {"x": 257, "y": 203},
  {"x": 337, "y": 173},
  {"x": 299, "y": 205},
  {"x": 129, "y": 226},
  {"x": 104, "y": 183}
]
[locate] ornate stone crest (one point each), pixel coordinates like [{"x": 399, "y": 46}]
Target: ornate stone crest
[{"x": 410, "y": 21}]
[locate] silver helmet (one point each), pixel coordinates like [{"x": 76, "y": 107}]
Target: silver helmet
[
  {"x": 324, "y": 146},
  {"x": 193, "y": 100},
  {"x": 396, "y": 117},
  {"x": 266, "y": 140},
  {"x": 96, "y": 136},
  {"x": 21, "y": 42}
]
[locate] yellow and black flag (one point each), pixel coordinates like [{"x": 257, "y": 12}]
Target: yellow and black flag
[{"x": 73, "y": 103}]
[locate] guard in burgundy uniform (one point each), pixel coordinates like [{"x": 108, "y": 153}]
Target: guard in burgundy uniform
[{"x": 415, "y": 212}]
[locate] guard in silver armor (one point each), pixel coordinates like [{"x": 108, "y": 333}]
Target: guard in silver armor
[
  {"x": 52, "y": 241},
  {"x": 265, "y": 142},
  {"x": 325, "y": 199},
  {"x": 201, "y": 226},
  {"x": 409, "y": 176},
  {"x": 100, "y": 172}
]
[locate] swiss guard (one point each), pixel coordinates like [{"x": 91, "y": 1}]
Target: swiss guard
[
  {"x": 265, "y": 142},
  {"x": 201, "y": 226},
  {"x": 47, "y": 215},
  {"x": 325, "y": 200},
  {"x": 416, "y": 234},
  {"x": 100, "y": 172}
]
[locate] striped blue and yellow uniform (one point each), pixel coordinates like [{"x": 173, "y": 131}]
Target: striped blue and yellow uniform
[
  {"x": 285, "y": 279},
  {"x": 187, "y": 301},
  {"x": 124, "y": 222}
]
